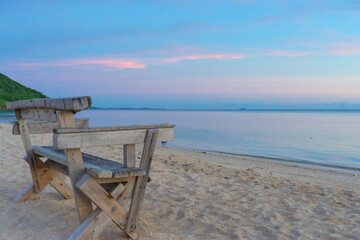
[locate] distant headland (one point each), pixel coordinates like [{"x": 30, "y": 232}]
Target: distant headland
[{"x": 11, "y": 90}]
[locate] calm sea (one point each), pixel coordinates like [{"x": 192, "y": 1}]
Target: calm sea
[{"x": 325, "y": 137}]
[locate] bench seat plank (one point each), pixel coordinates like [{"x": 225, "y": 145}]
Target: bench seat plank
[{"x": 94, "y": 166}]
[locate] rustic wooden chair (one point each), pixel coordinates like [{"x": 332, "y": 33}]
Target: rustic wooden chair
[{"x": 108, "y": 184}]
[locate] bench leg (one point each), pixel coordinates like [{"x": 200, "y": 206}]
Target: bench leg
[
  {"x": 76, "y": 170},
  {"x": 103, "y": 200},
  {"x": 98, "y": 220},
  {"x": 49, "y": 176},
  {"x": 140, "y": 185},
  {"x": 29, "y": 193},
  {"x": 61, "y": 187},
  {"x": 58, "y": 182}
]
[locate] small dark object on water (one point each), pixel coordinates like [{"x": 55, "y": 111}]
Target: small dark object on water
[{"x": 163, "y": 143}]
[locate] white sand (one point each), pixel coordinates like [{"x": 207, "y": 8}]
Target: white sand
[{"x": 236, "y": 198}]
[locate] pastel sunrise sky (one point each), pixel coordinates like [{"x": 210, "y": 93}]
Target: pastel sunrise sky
[{"x": 186, "y": 54}]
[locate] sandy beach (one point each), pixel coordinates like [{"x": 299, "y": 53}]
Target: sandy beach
[{"x": 196, "y": 195}]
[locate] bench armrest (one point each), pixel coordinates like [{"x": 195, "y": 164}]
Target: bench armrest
[
  {"x": 66, "y": 138},
  {"x": 108, "y": 129}
]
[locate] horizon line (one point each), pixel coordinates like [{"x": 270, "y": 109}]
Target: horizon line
[{"x": 226, "y": 109}]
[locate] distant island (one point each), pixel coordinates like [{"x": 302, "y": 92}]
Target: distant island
[{"x": 11, "y": 90}]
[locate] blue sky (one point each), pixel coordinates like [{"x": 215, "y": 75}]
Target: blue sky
[{"x": 186, "y": 54}]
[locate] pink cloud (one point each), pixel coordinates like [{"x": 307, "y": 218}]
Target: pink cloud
[
  {"x": 114, "y": 63},
  {"x": 158, "y": 51},
  {"x": 205, "y": 56},
  {"x": 287, "y": 53},
  {"x": 121, "y": 64},
  {"x": 345, "y": 50}
]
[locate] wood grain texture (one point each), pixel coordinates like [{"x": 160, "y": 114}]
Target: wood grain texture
[
  {"x": 61, "y": 187},
  {"x": 58, "y": 167},
  {"x": 28, "y": 194},
  {"x": 57, "y": 183},
  {"x": 112, "y": 180},
  {"x": 102, "y": 199},
  {"x": 95, "y": 224},
  {"x": 47, "y": 127},
  {"x": 92, "y": 139},
  {"x": 129, "y": 156},
  {"x": 48, "y": 115},
  {"x": 111, "y": 129},
  {"x": 24, "y": 131},
  {"x": 75, "y": 167},
  {"x": 140, "y": 185},
  {"x": 74, "y": 104},
  {"x": 95, "y": 166}
]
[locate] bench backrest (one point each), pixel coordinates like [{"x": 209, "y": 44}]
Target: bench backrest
[
  {"x": 38, "y": 127},
  {"x": 44, "y": 113},
  {"x": 47, "y": 109},
  {"x": 75, "y": 104}
]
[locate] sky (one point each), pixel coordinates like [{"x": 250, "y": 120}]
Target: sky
[{"x": 186, "y": 54}]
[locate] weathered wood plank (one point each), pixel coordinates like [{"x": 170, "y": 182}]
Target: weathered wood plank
[
  {"x": 140, "y": 185},
  {"x": 112, "y": 180},
  {"x": 48, "y": 115},
  {"x": 47, "y": 127},
  {"x": 61, "y": 187},
  {"x": 109, "y": 187},
  {"x": 76, "y": 168},
  {"x": 102, "y": 199},
  {"x": 64, "y": 170},
  {"x": 95, "y": 224},
  {"x": 28, "y": 194},
  {"x": 129, "y": 155},
  {"x": 58, "y": 167},
  {"x": 88, "y": 139},
  {"x": 94, "y": 166},
  {"x": 111, "y": 129},
  {"x": 74, "y": 104},
  {"x": 24, "y": 131},
  {"x": 57, "y": 183}
]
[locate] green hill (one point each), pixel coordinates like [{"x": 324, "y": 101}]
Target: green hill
[{"x": 12, "y": 91}]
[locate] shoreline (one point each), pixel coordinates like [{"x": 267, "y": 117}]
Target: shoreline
[
  {"x": 275, "y": 159},
  {"x": 194, "y": 195},
  {"x": 296, "y": 147},
  {"x": 299, "y": 172},
  {"x": 259, "y": 157}
]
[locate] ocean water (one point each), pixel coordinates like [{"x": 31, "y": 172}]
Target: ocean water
[
  {"x": 324, "y": 137},
  {"x": 7, "y": 116}
]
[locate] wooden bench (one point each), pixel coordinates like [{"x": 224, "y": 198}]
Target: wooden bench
[{"x": 106, "y": 183}]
